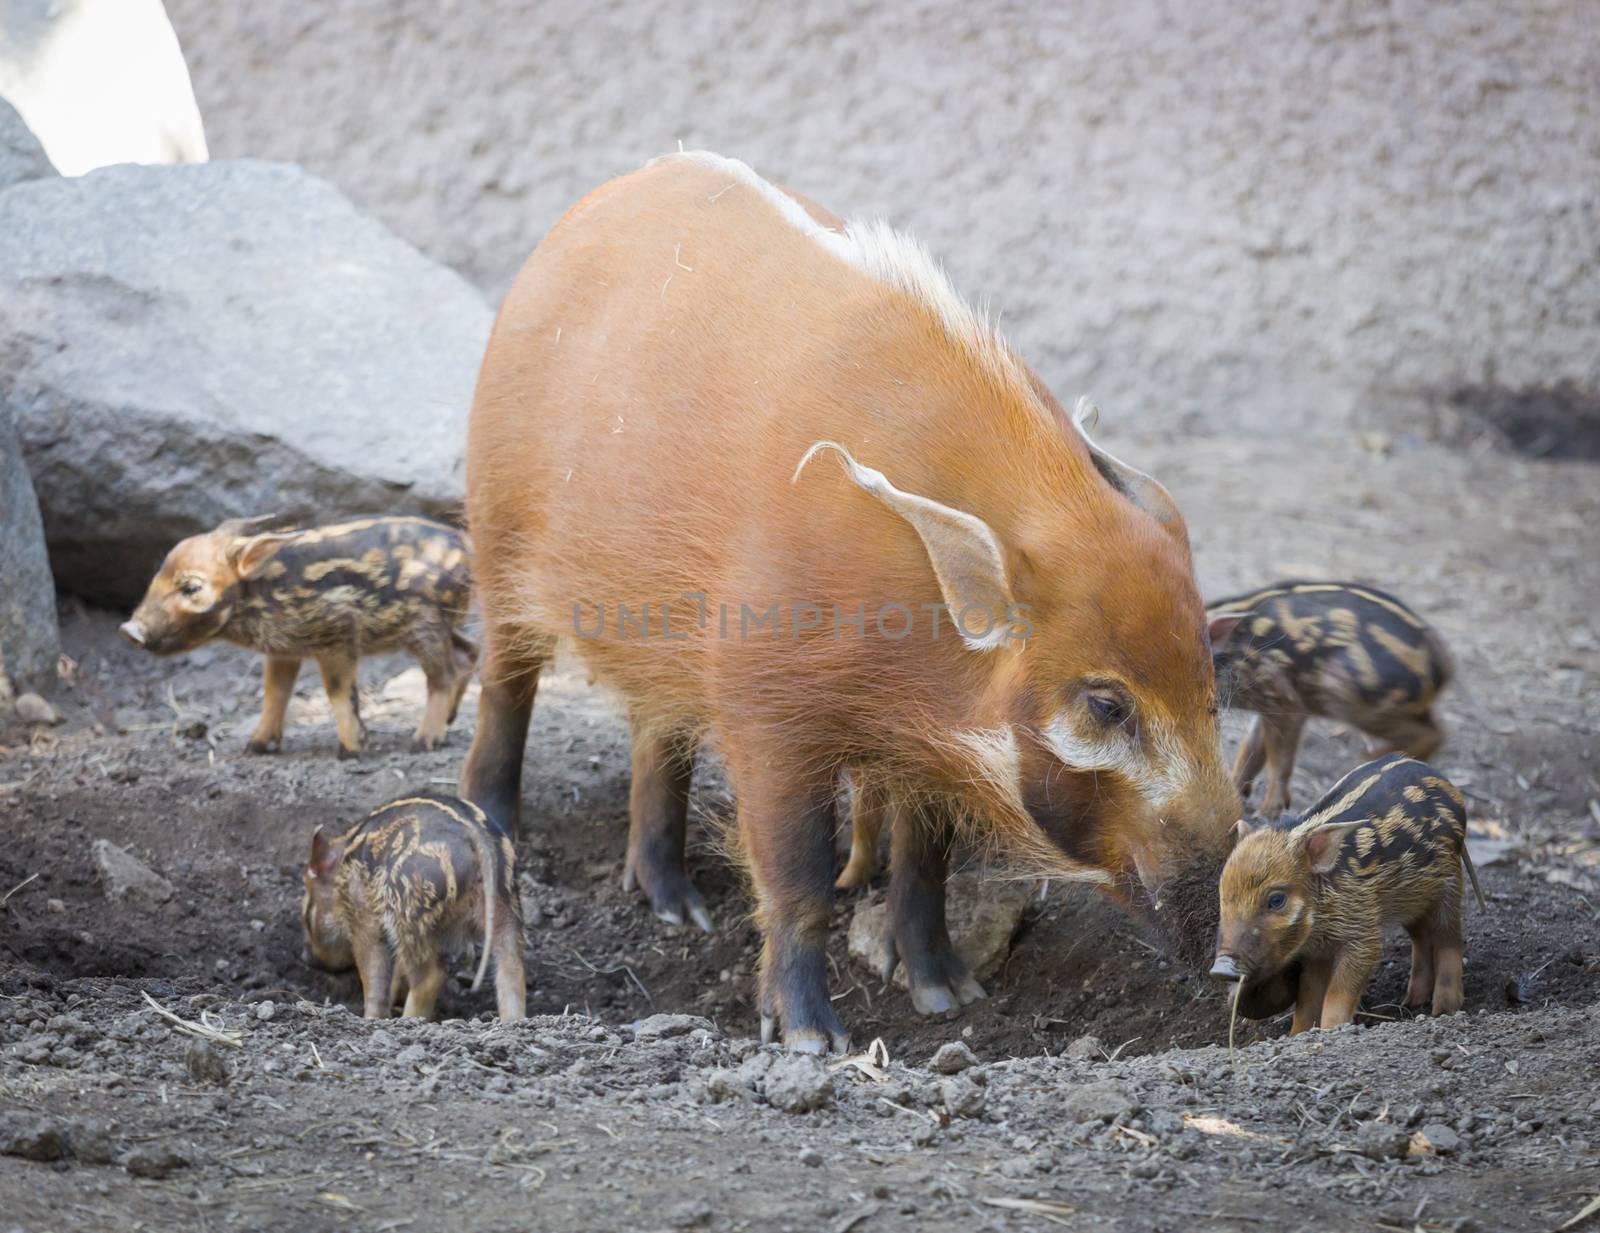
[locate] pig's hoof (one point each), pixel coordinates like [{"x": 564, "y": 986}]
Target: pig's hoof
[
  {"x": 426, "y": 744},
  {"x": 813, "y": 1040},
  {"x": 345, "y": 753},
  {"x": 262, "y": 745},
  {"x": 942, "y": 997},
  {"x": 673, "y": 898}
]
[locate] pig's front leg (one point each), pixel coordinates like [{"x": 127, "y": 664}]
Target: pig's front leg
[
  {"x": 1352, "y": 971},
  {"x": 277, "y": 687},
  {"x": 1309, "y": 997},
  {"x": 786, "y": 822},
  {"x": 339, "y": 679},
  {"x": 918, "y": 935},
  {"x": 376, "y": 968}
]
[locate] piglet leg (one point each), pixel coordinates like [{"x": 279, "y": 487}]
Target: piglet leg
[
  {"x": 1352, "y": 972},
  {"x": 339, "y": 679},
  {"x": 375, "y": 967},
  {"x": 868, "y": 807},
  {"x": 1282, "y": 736},
  {"x": 1309, "y": 997},
  {"x": 1251, "y": 758},
  {"x": 277, "y": 687},
  {"x": 918, "y": 935},
  {"x": 510, "y": 981},
  {"x": 427, "y": 978},
  {"x": 1419, "y": 990}
]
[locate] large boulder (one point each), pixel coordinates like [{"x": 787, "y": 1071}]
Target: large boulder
[
  {"x": 186, "y": 344},
  {"x": 21, "y": 155},
  {"x": 29, "y": 641}
]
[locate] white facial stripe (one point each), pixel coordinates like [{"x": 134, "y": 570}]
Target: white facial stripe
[{"x": 1158, "y": 778}]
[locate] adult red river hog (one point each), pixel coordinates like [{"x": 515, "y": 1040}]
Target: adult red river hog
[{"x": 788, "y": 492}]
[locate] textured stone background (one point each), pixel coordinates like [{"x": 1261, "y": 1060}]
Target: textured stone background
[{"x": 1288, "y": 215}]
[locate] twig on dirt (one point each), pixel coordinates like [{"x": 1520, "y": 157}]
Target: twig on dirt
[
  {"x": 1589, "y": 1209},
  {"x": 1112, "y": 1056},
  {"x": 16, "y": 888},
  {"x": 222, "y": 1036},
  {"x": 928, "y": 1113},
  {"x": 620, "y": 967},
  {"x": 1055, "y": 1213}
]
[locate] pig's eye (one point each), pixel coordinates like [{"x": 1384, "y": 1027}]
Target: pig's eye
[
  {"x": 189, "y": 587},
  {"x": 1109, "y": 709},
  {"x": 1276, "y": 901}
]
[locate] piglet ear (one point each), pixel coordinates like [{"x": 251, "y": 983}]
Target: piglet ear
[
  {"x": 249, "y": 556},
  {"x": 1220, "y": 628},
  {"x": 1240, "y": 829},
  {"x": 1325, "y": 844},
  {"x": 324, "y": 856}
]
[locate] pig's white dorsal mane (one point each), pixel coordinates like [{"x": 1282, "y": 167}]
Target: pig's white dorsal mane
[{"x": 891, "y": 257}]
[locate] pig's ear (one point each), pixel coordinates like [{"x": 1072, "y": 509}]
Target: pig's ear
[
  {"x": 1220, "y": 628},
  {"x": 964, "y": 552},
  {"x": 250, "y": 556},
  {"x": 1138, "y": 487},
  {"x": 1323, "y": 845},
  {"x": 324, "y": 856},
  {"x": 1238, "y": 831}
]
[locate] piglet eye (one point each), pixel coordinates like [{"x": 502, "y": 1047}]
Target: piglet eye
[
  {"x": 189, "y": 587},
  {"x": 1276, "y": 900},
  {"x": 1109, "y": 710}
]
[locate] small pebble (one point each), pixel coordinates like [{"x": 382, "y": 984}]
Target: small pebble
[
  {"x": 952, "y": 1058},
  {"x": 54, "y": 906},
  {"x": 811, "y": 1158},
  {"x": 265, "y": 1010}
]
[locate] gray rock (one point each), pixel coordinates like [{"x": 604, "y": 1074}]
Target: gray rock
[
  {"x": 32, "y": 709},
  {"x": 798, "y": 1083},
  {"x": 1435, "y": 1139},
  {"x": 659, "y": 1027},
  {"x": 1380, "y": 1141},
  {"x": 21, "y": 155},
  {"x": 810, "y": 1157},
  {"x": 125, "y": 877},
  {"x": 962, "y": 1097},
  {"x": 31, "y": 1137},
  {"x": 30, "y": 643},
  {"x": 1085, "y": 1049},
  {"x": 89, "y": 1141},
  {"x": 205, "y": 1062},
  {"x": 1098, "y": 1102},
  {"x": 152, "y": 1160},
  {"x": 265, "y": 1011},
  {"x": 983, "y": 916},
  {"x": 951, "y": 1058},
  {"x": 180, "y": 345},
  {"x": 411, "y": 1055}
]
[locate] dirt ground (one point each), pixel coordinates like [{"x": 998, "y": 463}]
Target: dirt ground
[{"x": 315, "y": 1119}]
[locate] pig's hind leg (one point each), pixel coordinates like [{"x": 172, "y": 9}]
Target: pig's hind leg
[
  {"x": 918, "y": 934},
  {"x": 492, "y": 778},
  {"x": 339, "y": 679},
  {"x": 1252, "y": 756},
  {"x": 1448, "y": 992},
  {"x": 277, "y": 687},
  {"x": 1419, "y": 990},
  {"x": 434, "y": 651},
  {"x": 658, "y": 825},
  {"x": 464, "y": 652}
]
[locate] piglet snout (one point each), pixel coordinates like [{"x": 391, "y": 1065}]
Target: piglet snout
[
  {"x": 1226, "y": 969},
  {"x": 133, "y": 632}
]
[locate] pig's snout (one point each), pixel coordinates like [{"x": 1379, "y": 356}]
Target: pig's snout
[
  {"x": 1226, "y": 969},
  {"x": 133, "y": 632}
]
